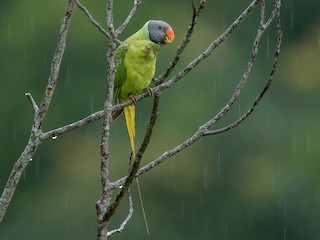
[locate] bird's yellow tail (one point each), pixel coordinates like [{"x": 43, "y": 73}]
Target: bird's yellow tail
[{"x": 129, "y": 113}]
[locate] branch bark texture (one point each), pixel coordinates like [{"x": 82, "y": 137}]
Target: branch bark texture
[
  {"x": 36, "y": 136},
  {"x": 112, "y": 193}
]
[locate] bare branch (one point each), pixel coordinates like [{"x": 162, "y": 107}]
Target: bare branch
[
  {"x": 275, "y": 12},
  {"x": 69, "y": 127},
  {"x": 158, "y": 89},
  {"x": 36, "y": 132},
  {"x": 32, "y": 101},
  {"x": 135, "y": 7},
  {"x": 105, "y": 207},
  {"x": 209, "y": 50},
  {"x": 184, "y": 43},
  {"x": 91, "y": 19},
  {"x": 107, "y": 189},
  {"x": 124, "y": 223},
  {"x": 204, "y": 129},
  {"x": 136, "y": 164},
  {"x": 197, "y": 60}
]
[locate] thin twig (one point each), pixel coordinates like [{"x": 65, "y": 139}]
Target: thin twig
[
  {"x": 128, "y": 19},
  {"x": 69, "y": 127},
  {"x": 124, "y": 223},
  {"x": 91, "y": 19},
  {"x": 275, "y": 13},
  {"x": 184, "y": 43},
  {"x": 107, "y": 189},
  {"x": 32, "y": 101}
]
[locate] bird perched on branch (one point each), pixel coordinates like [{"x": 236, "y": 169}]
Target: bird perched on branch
[{"x": 135, "y": 61}]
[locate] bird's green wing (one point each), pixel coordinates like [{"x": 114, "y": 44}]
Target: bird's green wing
[{"x": 120, "y": 77}]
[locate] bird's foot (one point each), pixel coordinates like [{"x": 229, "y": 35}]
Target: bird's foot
[
  {"x": 149, "y": 91},
  {"x": 133, "y": 98}
]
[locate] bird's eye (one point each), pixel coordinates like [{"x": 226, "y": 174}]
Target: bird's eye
[{"x": 160, "y": 27}]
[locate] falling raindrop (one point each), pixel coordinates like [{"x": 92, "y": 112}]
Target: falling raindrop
[
  {"x": 285, "y": 209},
  {"x": 173, "y": 169},
  {"x": 291, "y": 21},
  {"x": 308, "y": 143},
  {"x": 205, "y": 177},
  {"x": 227, "y": 228},
  {"x": 91, "y": 102},
  {"x": 193, "y": 216},
  {"x": 37, "y": 168},
  {"x": 239, "y": 110},
  {"x": 68, "y": 76},
  {"x": 30, "y": 159},
  {"x": 24, "y": 53},
  {"x": 214, "y": 89},
  {"x": 9, "y": 31},
  {"x": 67, "y": 199},
  {"x": 31, "y": 25},
  {"x": 285, "y": 234},
  {"x": 273, "y": 187},
  {"x": 54, "y": 137},
  {"x": 268, "y": 46},
  {"x": 319, "y": 39},
  {"x": 15, "y": 133},
  {"x": 281, "y": 120},
  {"x": 183, "y": 210},
  {"x": 140, "y": 117},
  {"x": 267, "y": 123},
  {"x": 219, "y": 163}
]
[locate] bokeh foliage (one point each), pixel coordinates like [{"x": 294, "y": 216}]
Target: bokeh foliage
[{"x": 258, "y": 181}]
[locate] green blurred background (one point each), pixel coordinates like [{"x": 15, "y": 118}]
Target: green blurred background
[{"x": 258, "y": 181}]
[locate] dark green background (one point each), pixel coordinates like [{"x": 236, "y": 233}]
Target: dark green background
[{"x": 258, "y": 181}]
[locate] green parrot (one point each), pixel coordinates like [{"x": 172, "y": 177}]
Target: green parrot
[{"x": 135, "y": 61}]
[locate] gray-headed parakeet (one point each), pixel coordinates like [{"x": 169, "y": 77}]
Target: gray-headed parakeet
[{"x": 135, "y": 66}]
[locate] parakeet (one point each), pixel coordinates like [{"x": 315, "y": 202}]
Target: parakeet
[{"x": 135, "y": 61}]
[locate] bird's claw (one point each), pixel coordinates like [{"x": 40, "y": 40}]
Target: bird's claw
[
  {"x": 133, "y": 98},
  {"x": 150, "y": 92}
]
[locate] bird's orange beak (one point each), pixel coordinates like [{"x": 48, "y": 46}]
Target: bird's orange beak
[{"x": 169, "y": 35}]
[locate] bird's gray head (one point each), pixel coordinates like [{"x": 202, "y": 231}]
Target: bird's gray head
[{"x": 160, "y": 32}]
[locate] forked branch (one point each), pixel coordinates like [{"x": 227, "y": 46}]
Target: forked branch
[
  {"x": 106, "y": 205},
  {"x": 204, "y": 130},
  {"x": 36, "y": 135}
]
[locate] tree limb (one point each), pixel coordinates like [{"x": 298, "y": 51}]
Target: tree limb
[
  {"x": 107, "y": 189},
  {"x": 136, "y": 164},
  {"x": 275, "y": 13},
  {"x": 105, "y": 207},
  {"x": 204, "y": 129},
  {"x": 40, "y": 113},
  {"x": 161, "y": 87},
  {"x": 91, "y": 19},
  {"x": 32, "y": 102},
  {"x": 184, "y": 43},
  {"x": 124, "y": 223},
  {"x": 135, "y": 7}
]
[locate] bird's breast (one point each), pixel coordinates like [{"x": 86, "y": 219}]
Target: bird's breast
[{"x": 140, "y": 65}]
